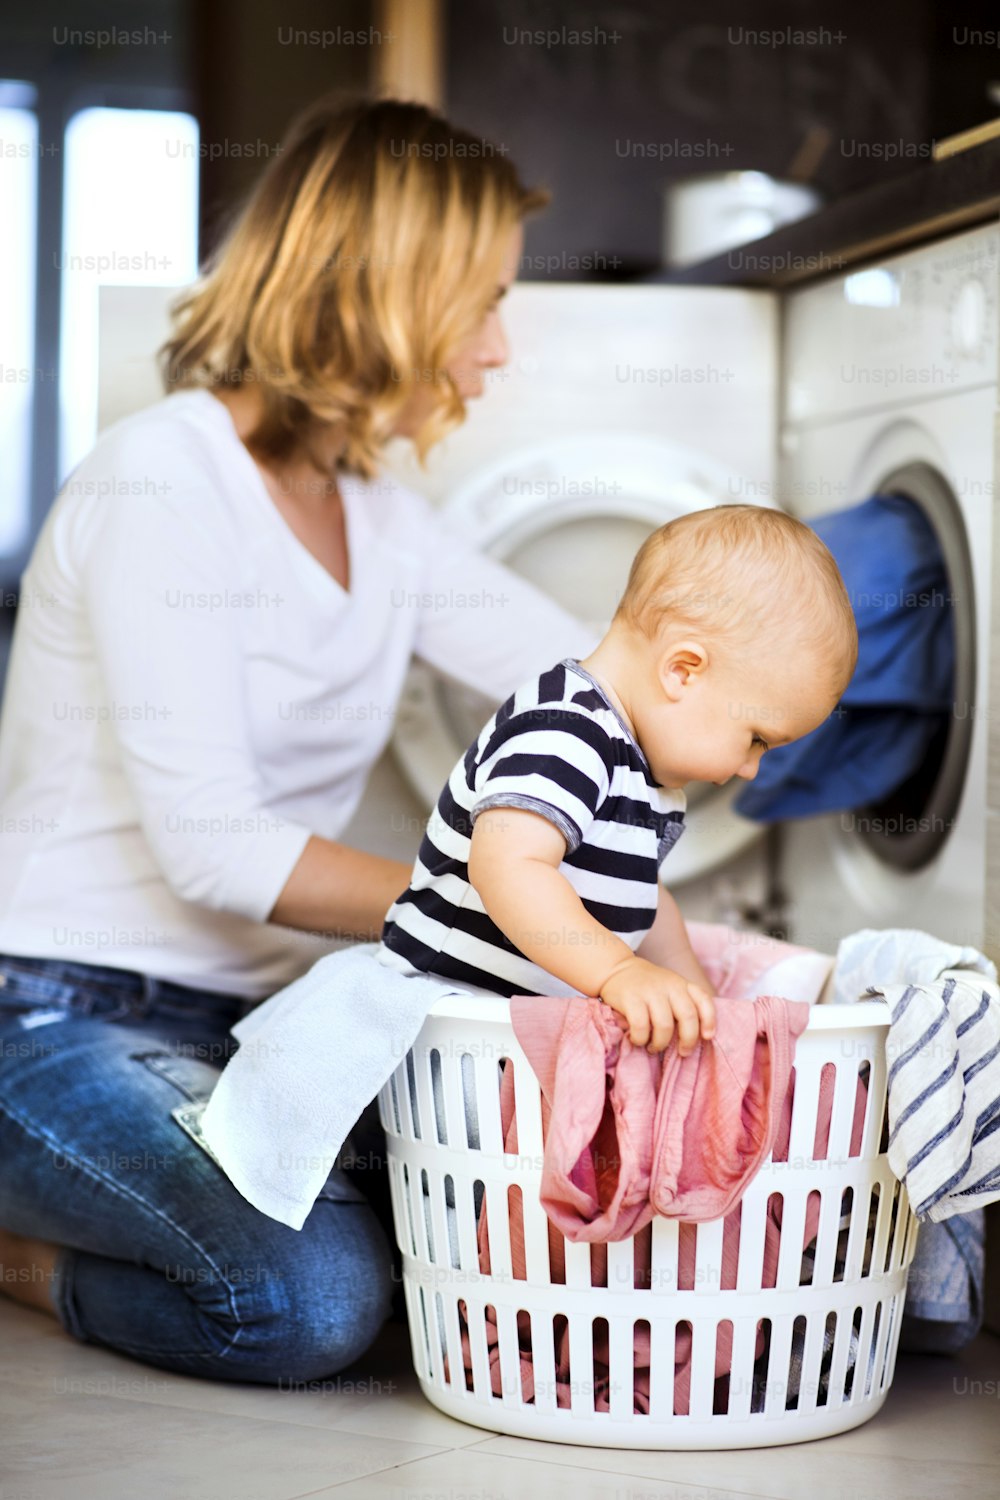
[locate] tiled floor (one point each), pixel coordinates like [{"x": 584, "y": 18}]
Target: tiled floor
[{"x": 81, "y": 1423}]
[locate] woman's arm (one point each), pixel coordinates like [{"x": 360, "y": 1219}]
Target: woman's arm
[{"x": 339, "y": 890}]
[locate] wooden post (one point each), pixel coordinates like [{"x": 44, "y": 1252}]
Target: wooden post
[{"x": 409, "y": 62}]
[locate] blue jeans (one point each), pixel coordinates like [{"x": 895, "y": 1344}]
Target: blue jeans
[{"x": 162, "y": 1258}]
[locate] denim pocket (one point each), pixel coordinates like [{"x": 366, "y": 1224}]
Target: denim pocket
[
  {"x": 24, "y": 990},
  {"x": 190, "y": 1076},
  {"x": 338, "y": 1187}
]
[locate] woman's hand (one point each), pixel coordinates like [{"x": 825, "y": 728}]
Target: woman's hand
[{"x": 653, "y": 1001}]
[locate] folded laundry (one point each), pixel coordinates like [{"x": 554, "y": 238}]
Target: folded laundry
[
  {"x": 902, "y": 688},
  {"x": 943, "y": 1047},
  {"x": 944, "y": 1094}
]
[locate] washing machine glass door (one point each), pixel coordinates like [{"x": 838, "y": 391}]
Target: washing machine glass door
[
  {"x": 571, "y": 522},
  {"x": 907, "y": 829}
]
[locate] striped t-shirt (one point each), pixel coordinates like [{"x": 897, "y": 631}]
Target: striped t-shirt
[{"x": 557, "y": 747}]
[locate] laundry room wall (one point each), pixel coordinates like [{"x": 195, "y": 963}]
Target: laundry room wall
[{"x": 606, "y": 102}]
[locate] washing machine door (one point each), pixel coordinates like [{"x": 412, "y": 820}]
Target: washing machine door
[{"x": 569, "y": 515}]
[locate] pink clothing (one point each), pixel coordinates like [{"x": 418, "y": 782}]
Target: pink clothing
[{"x": 629, "y": 1135}]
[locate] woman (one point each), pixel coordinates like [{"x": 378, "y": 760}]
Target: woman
[{"x": 191, "y": 713}]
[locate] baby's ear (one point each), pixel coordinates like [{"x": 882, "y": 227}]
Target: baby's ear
[{"x": 678, "y": 663}]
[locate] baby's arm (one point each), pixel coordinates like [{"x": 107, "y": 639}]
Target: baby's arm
[
  {"x": 667, "y": 943},
  {"x": 513, "y": 865}
]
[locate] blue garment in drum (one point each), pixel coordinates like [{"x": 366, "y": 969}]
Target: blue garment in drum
[{"x": 902, "y": 691}]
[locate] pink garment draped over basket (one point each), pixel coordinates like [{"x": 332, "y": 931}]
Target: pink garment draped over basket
[{"x": 628, "y": 1135}]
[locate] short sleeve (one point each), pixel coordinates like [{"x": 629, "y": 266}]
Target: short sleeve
[{"x": 550, "y": 761}]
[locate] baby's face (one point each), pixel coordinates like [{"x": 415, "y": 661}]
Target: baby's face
[{"x": 727, "y": 716}]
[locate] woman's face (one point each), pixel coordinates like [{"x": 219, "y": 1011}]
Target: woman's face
[{"x": 485, "y": 350}]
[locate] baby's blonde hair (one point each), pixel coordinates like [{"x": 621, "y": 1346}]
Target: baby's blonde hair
[
  {"x": 737, "y": 574},
  {"x": 370, "y": 249}
]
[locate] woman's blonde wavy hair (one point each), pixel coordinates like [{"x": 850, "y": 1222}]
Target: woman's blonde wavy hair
[{"x": 368, "y": 252}]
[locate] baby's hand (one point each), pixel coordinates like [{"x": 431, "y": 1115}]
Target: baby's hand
[{"x": 651, "y": 999}]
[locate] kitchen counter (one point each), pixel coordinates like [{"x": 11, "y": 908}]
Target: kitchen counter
[{"x": 935, "y": 199}]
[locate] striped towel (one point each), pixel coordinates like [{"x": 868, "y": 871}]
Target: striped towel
[{"x": 943, "y": 1054}]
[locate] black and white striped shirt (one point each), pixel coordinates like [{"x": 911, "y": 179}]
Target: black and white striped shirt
[{"x": 557, "y": 747}]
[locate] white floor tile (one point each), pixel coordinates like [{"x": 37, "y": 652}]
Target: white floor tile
[{"x": 82, "y": 1423}]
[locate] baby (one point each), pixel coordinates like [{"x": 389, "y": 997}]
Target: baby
[{"x": 539, "y": 871}]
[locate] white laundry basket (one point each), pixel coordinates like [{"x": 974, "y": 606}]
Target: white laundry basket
[{"x": 832, "y": 1316}]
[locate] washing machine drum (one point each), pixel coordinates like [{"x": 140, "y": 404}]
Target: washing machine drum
[{"x": 569, "y": 516}]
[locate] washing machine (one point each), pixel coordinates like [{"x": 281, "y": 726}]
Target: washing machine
[
  {"x": 620, "y": 408},
  {"x": 890, "y": 385}
]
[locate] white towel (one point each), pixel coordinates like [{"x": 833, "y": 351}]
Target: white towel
[
  {"x": 943, "y": 1056},
  {"x": 310, "y": 1059},
  {"x": 867, "y": 959}
]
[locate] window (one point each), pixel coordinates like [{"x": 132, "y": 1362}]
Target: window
[
  {"x": 130, "y": 219},
  {"x": 19, "y": 211}
]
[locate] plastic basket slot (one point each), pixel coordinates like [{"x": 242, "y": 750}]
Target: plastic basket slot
[
  {"x": 394, "y": 1122},
  {"x": 864, "y": 1082},
  {"x": 813, "y": 1205},
  {"x": 437, "y": 1093},
  {"x": 425, "y": 1094},
  {"x": 875, "y": 1136},
  {"x": 474, "y": 1315},
  {"x": 778, "y": 1363},
  {"x": 703, "y": 1343},
  {"x": 753, "y": 1211},
  {"x": 805, "y": 1082},
  {"x": 683, "y": 1348},
  {"x": 581, "y": 1364},
  {"x": 858, "y": 1236},
  {"x": 811, "y": 1363},
  {"x": 871, "y": 1239},
  {"x": 741, "y": 1368},
  {"x": 896, "y": 1222},
  {"x": 417, "y": 1318},
  {"x": 661, "y": 1367},
  {"x": 505, "y": 1317},
  {"x": 724, "y": 1339},
  {"x": 429, "y": 1252},
  {"x": 410, "y": 1105},
  {"x": 761, "y": 1367},
  {"x": 793, "y": 1378},
  {"x": 407, "y": 1189},
  {"x": 527, "y": 1110},
  {"x": 854, "y": 1375},
  {"x": 470, "y": 1107},
  {"x": 826, "y": 1359},
  {"x": 452, "y": 1341},
  {"x": 640, "y": 1331},
  {"x": 498, "y": 1228},
  {"x": 873, "y": 1356},
  {"x": 465, "y": 1223},
  {"x": 845, "y": 1095}
]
